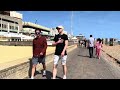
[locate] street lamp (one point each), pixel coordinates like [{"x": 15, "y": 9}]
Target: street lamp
[
  {"x": 71, "y": 23},
  {"x": 36, "y": 22}
]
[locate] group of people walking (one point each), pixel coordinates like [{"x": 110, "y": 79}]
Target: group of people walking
[
  {"x": 92, "y": 44},
  {"x": 97, "y": 45},
  {"x": 61, "y": 43}
]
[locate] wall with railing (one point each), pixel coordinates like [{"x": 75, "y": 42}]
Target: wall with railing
[{"x": 23, "y": 43}]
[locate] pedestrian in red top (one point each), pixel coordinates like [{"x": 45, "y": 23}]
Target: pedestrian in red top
[{"x": 39, "y": 52}]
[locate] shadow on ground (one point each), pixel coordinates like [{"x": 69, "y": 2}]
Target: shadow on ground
[
  {"x": 83, "y": 56},
  {"x": 48, "y": 73},
  {"x": 86, "y": 56}
]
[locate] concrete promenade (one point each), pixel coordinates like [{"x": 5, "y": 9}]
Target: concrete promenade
[{"x": 80, "y": 66}]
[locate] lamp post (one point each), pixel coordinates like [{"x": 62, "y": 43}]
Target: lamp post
[
  {"x": 1, "y": 27},
  {"x": 71, "y": 23},
  {"x": 36, "y": 22}
]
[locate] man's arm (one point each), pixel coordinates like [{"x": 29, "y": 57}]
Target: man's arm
[
  {"x": 54, "y": 43},
  {"x": 66, "y": 45},
  {"x": 88, "y": 43},
  {"x": 59, "y": 41},
  {"x": 33, "y": 46},
  {"x": 45, "y": 45},
  {"x": 94, "y": 43}
]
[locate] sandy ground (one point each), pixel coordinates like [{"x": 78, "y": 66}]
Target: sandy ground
[
  {"x": 114, "y": 51},
  {"x": 14, "y": 55},
  {"x": 11, "y": 53}
]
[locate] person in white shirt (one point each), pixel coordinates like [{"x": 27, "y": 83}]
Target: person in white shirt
[{"x": 91, "y": 45}]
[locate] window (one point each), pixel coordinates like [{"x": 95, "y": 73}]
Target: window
[
  {"x": 16, "y": 28},
  {"x": 12, "y": 27},
  {"x": 5, "y": 26},
  {"x": 2, "y": 26}
]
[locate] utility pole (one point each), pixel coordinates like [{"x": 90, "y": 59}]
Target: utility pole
[
  {"x": 1, "y": 24},
  {"x": 36, "y": 22},
  {"x": 71, "y": 23},
  {"x": 1, "y": 27}
]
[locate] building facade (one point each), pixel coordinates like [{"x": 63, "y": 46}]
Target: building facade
[{"x": 8, "y": 23}]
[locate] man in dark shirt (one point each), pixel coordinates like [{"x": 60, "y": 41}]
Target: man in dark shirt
[
  {"x": 61, "y": 42},
  {"x": 85, "y": 42},
  {"x": 39, "y": 52}
]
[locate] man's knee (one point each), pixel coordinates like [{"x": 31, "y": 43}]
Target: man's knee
[
  {"x": 34, "y": 66},
  {"x": 55, "y": 66},
  {"x": 64, "y": 60}
]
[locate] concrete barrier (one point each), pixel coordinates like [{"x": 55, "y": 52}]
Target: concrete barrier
[
  {"x": 23, "y": 70},
  {"x": 25, "y": 43}
]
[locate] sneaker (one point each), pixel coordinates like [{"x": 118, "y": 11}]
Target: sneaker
[
  {"x": 44, "y": 73},
  {"x": 53, "y": 78},
  {"x": 32, "y": 78},
  {"x": 64, "y": 77}
]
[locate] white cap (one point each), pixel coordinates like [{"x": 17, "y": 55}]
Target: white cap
[{"x": 60, "y": 27}]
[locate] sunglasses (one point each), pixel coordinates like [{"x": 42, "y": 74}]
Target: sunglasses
[
  {"x": 58, "y": 28},
  {"x": 37, "y": 33}
]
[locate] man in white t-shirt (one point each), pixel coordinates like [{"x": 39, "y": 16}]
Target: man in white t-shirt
[{"x": 91, "y": 45}]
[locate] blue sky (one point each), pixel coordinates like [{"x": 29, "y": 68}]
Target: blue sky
[{"x": 103, "y": 24}]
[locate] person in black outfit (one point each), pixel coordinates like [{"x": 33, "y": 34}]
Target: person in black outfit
[
  {"x": 85, "y": 42},
  {"x": 61, "y": 42}
]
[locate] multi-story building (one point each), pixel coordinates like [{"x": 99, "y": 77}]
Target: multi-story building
[
  {"x": 10, "y": 24},
  {"x": 13, "y": 28},
  {"x": 29, "y": 29},
  {"x": 80, "y": 37},
  {"x": 10, "y": 21}
]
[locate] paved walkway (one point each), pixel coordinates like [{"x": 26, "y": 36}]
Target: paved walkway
[{"x": 80, "y": 66}]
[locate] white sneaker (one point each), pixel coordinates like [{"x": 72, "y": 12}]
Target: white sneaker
[
  {"x": 64, "y": 77},
  {"x": 32, "y": 78},
  {"x": 44, "y": 73},
  {"x": 53, "y": 78}
]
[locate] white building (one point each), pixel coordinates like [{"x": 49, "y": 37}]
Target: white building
[
  {"x": 16, "y": 15},
  {"x": 53, "y": 31}
]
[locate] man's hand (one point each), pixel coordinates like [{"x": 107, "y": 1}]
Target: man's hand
[
  {"x": 41, "y": 53},
  {"x": 62, "y": 54},
  {"x": 60, "y": 41}
]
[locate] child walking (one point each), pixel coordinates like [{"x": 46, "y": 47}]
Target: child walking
[{"x": 98, "y": 47}]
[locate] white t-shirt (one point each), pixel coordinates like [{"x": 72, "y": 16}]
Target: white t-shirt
[{"x": 91, "y": 42}]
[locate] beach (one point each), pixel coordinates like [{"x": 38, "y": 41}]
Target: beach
[
  {"x": 12, "y": 53},
  {"x": 113, "y": 51}
]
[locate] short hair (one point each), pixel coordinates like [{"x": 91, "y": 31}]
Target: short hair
[
  {"x": 90, "y": 35},
  {"x": 37, "y": 30}
]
